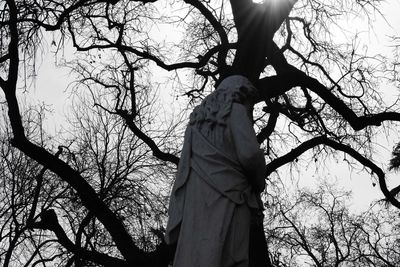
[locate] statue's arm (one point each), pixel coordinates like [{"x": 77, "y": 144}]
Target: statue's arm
[{"x": 250, "y": 156}]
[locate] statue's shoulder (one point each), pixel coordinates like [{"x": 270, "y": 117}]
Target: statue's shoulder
[{"x": 238, "y": 107}]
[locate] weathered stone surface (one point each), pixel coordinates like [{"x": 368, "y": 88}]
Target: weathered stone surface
[{"x": 220, "y": 176}]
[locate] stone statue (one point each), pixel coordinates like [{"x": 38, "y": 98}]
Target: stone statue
[{"x": 220, "y": 176}]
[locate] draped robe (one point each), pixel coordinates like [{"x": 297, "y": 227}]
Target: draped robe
[{"x": 220, "y": 176}]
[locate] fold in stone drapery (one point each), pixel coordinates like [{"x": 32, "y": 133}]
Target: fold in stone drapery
[
  {"x": 219, "y": 171},
  {"x": 220, "y": 175},
  {"x": 177, "y": 199}
]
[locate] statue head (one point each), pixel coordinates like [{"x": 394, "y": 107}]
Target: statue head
[
  {"x": 241, "y": 89},
  {"x": 216, "y": 107}
]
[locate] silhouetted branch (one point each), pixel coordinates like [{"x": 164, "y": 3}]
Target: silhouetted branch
[
  {"x": 323, "y": 140},
  {"x": 304, "y": 244},
  {"x": 50, "y": 222},
  {"x": 279, "y": 84},
  {"x": 203, "y": 59},
  {"x": 218, "y": 28},
  {"x": 39, "y": 182},
  {"x": 256, "y": 25},
  {"x": 153, "y": 146},
  {"x": 4, "y": 58},
  {"x": 89, "y": 197},
  {"x": 63, "y": 15},
  {"x": 269, "y": 128}
]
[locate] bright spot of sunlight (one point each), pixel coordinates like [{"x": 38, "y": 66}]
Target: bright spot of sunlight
[
  {"x": 273, "y": 2},
  {"x": 263, "y": 1}
]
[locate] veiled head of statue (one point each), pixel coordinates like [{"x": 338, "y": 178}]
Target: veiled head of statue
[
  {"x": 216, "y": 107},
  {"x": 240, "y": 87}
]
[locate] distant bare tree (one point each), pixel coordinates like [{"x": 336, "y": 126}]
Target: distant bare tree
[
  {"x": 117, "y": 165},
  {"x": 316, "y": 228},
  {"x": 26, "y": 191}
]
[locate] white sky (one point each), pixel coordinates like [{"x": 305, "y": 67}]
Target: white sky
[
  {"x": 376, "y": 41},
  {"x": 52, "y": 82}
]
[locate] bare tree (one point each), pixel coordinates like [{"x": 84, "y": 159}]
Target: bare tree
[
  {"x": 317, "y": 94},
  {"x": 118, "y": 166},
  {"x": 27, "y": 190},
  {"x": 316, "y": 228}
]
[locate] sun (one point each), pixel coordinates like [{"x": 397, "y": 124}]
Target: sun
[
  {"x": 279, "y": 5},
  {"x": 275, "y": 2}
]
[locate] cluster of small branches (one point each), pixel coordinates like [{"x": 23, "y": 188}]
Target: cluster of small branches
[{"x": 316, "y": 227}]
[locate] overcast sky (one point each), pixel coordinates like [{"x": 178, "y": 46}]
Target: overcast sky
[{"x": 52, "y": 82}]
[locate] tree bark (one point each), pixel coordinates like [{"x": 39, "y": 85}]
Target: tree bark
[{"x": 256, "y": 25}]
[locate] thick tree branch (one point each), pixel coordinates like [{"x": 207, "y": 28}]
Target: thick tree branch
[
  {"x": 395, "y": 191},
  {"x": 256, "y": 25},
  {"x": 271, "y": 13},
  {"x": 88, "y": 196},
  {"x": 269, "y": 129},
  {"x": 218, "y": 28},
  {"x": 13, "y": 46},
  {"x": 323, "y": 140},
  {"x": 3, "y": 83},
  {"x": 279, "y": 84},
  {"x": 39, "y": 181},
  {"x": 273, "y": 86},
  {"x": 153, "y": 146},
  {"x": 203, "y": 59},
  {"x": 294, "y": 153},
  {"x": 356, "y": 122},
  {"x": 50, "y": 222},
  {"x": 4, "y": 58},
  {"x": 9, "y": 86}
]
